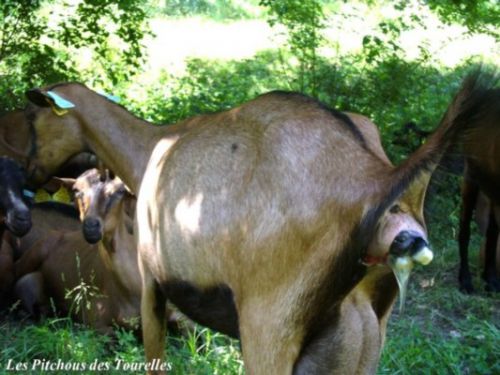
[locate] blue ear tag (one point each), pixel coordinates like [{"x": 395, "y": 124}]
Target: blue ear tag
[
  {"x": 28, "y": 193},
  {"x": 60, "y": 102},
  {"x": 113, "y": 98}
]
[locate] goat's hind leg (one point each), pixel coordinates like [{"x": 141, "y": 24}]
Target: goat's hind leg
[
  {"x": 153, "y": 318},
  {"x": 489, "y": 275},
  {"x": 269, "y": 344},
  {"x": 470, "y": 193}
]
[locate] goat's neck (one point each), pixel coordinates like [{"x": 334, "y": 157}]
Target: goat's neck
[{"x": 120, "y": 140}]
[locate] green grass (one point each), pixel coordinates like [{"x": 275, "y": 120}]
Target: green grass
[
  {"x": 33, "y": 346},
  {"x": 441, "y": 331}
]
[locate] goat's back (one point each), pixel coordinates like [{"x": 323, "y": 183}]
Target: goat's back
[{"x": 242, "y": 169}]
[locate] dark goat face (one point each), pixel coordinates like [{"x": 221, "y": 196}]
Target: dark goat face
[{"x": 15, "y": 213}]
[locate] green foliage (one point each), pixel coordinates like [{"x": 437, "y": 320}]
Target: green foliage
[
  {"x": 303, "y": 21},
  {"x": 41, "y": 40},
  {"x": 384, "y": 43},
  {"x": 95, "y": 22},
  {"x": 24, "y": 58},
  {"x": 204, "y": 352},
  {"x": 478, "y": 16},
  {"x": 221, "y": 10},
  {"x": 209, "y": 86}
]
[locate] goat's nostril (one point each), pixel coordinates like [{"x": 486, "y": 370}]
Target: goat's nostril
[{"x": 91, "y": 223}]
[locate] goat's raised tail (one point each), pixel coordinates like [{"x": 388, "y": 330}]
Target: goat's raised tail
[{"x": 471, "y": 107}]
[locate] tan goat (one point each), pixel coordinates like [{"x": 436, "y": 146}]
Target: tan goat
[
  {"x": 277, "y": 217},
  {"x": 61, "y": 261}
]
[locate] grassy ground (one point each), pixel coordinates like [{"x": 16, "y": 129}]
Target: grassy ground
[{"x": 441, "y": 331}]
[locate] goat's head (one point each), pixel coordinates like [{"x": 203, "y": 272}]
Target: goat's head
[
  {"x": 15, "y": 213},
  {"x": 96, "y": 196},
  {"x": 55, "y": 125}
]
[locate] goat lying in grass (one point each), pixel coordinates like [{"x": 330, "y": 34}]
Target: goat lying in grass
[{"x": 99, "y": 267}]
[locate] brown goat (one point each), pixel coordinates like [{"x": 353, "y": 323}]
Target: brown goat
[
  {"x": 107, "y": 211},
  {"x": 482, "y": 173},
  {"x": 16, "y": 140},
  {"x": 482, "y": 217},
  {"x": 271, "y": 217},
  {"x": 49, "y": 268},
  {"x": 488, "y": 219},
  {"x": 45, "y": 217},
  {"x": 61, "y": 261}
]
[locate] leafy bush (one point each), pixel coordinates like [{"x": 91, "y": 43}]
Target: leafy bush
[
  {"x": 41, "y": 43},
  {"x": 220, "y": 10}
]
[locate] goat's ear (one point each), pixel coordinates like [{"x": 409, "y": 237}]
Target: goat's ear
[
  {"x": 55, "y": 183},
  {"x": 130, "y": 205},
  {"x": 38, "y": 97},
  {"x": 46, "y": 98}
]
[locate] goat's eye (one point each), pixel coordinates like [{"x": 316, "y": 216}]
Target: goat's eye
[{"x": 395, "y": 209}]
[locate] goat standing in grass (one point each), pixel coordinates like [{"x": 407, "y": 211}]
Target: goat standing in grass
[
  {"x": 482, "y": 175},
  {"x": 276, "y": 221}
]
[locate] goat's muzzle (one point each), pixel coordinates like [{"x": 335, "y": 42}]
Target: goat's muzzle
[
  {"x": 92, "y": 230},
  {"x": 19, "y": 221}
]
